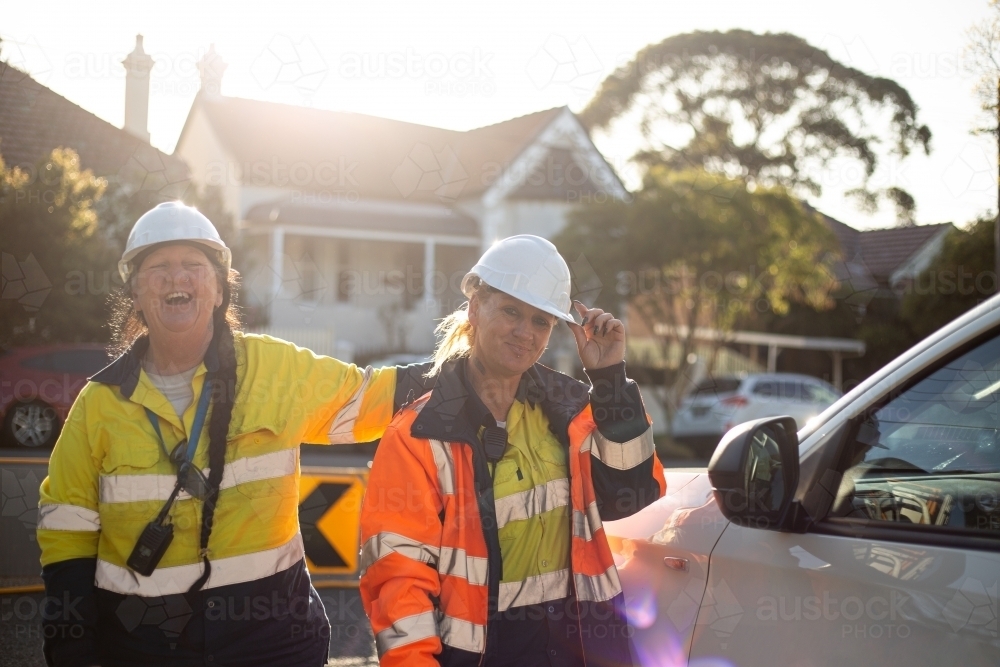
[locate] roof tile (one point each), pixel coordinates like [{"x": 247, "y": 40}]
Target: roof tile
[
  {"x": 34, "y": 120},
  {"x": 370, "y": 156},
  {"x": 882, "y": 251}
]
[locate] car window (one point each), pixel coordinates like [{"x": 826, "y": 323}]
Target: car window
[
  {"x": 41, "y": 362},
  {"x": 76, "y": 362},
  {"x": 80, "y": 362},
  {"x": 780, "y": 389},
  {"x": 931, "y": 455},
  {"x": 817, "y": 393},
  {"x": 712, "y": 386}
]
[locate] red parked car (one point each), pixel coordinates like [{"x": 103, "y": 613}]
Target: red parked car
[{"x": 37, "y": 387}]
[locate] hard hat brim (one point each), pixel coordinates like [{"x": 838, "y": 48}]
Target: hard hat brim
[
  {"x": 222, "y": 253},
  {"x": 468, "y": 289}
]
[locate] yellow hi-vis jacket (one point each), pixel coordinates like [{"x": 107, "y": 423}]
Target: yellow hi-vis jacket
[{"x": 108, "y": 477}]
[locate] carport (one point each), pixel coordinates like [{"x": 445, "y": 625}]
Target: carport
[{"x": 838, "y": 348}]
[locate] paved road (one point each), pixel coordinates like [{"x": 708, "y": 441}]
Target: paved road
[{"x": 351, "y": 643}]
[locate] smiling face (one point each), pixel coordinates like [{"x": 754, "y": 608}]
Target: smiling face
[
  {"x": 177, "y": 289},
  {"x": 509, "y": 335}
]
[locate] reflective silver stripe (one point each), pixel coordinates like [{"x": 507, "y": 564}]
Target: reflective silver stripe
[
  {"x": 534, "y": 590},
  {"x": 342, "y": 426},
  {"x": 602, "y": 587},
  {"x": 585, "y": 525},
  {"x": 178, "y": 579},
  {"x": 457, "y": 563},
  {"x": 621, "y": 455},
  {"x": 255, "y": 468},
  {"x": 381, "y": 545},
  {"x": 462, "y": 634},
  {"x": 135, "y": 488},
  {"x": 445, "y": 466},
  {"x": 68, "y": 517},
  {"x": 406, "y": 631},
  {"x": 532, "y": 502}
]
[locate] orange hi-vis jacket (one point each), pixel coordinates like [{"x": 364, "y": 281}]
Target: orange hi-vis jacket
[{"x": 431, "y": 560}]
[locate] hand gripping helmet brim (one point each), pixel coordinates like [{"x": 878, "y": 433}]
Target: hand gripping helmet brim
[
  {"x": 172, "y": 222},
  {"x": 528, "y": 268}
]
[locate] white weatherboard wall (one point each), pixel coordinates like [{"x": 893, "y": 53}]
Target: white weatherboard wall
[
  {"x": 322, "y": 341},
  {"x": 358, "y": 326}
]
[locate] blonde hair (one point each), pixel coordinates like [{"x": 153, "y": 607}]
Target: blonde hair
[{"x": 454, "y": 333}]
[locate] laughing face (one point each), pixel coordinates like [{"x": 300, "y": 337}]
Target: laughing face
[
  {"x": 177, "y": 289},
  {"x": 510, "y": 335}
]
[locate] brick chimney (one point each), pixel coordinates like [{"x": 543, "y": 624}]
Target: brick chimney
[{"x": 137, "y": 67}]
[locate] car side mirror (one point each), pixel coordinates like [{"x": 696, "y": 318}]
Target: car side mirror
[{"x": 754, "y": 473}]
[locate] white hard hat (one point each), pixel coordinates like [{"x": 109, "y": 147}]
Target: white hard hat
[
  {"x": 528, "y": 268},
  {"x": 168, "y": 222}
]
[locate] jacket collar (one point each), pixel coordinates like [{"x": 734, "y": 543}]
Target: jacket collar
[
  {"x": 124, "y": 371},
  {"x": 454, "y": 411}
]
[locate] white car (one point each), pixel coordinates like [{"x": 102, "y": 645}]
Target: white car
[
  {"x": 871, "y": 536},
  {"x": 717, "y": 404}
]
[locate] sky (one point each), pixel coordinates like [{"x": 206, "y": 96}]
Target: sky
[{"x": 462, "y": 65}]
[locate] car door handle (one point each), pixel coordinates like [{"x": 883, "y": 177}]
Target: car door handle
[{"x": 675, "y": 563}]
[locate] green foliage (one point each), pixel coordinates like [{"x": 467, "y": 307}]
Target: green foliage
[
  {"x": 770, "y": 107},
  {"x": 62, "y": 235},
  {"x": 701, "y": 250},
  {"x": 959, "y": 279},
  {"x": 48, "y": 225}
]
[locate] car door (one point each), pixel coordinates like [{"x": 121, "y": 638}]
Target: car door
[
  {"x": 662, "y": 557},
  {"x": 903, "y": 567}
]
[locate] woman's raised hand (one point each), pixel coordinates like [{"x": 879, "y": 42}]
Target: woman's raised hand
[{"x": 600, "y": 338}]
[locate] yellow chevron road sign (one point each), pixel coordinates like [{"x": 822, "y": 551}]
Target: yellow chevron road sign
[{"x": 329, "y": 517}]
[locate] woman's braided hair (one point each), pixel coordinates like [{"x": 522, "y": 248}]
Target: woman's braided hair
[{"x": 223, "y": 396}]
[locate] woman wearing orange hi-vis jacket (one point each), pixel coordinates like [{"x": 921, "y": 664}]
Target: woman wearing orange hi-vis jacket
[{"x": 482, "y": 523}]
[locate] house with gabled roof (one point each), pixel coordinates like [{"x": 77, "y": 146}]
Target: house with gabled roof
[{"x": 364, "y": 226}]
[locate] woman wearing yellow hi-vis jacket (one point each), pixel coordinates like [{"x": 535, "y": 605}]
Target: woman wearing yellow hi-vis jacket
[{"x": 168, "y": 523}]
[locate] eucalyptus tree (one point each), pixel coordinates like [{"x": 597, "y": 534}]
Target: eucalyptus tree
[{"x": 770, "y": 108}]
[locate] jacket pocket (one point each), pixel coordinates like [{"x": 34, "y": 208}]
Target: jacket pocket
[{"x": 126, "y": 456}]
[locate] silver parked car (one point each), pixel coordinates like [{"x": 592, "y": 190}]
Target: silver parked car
[{"x": 717, "y": 404}]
